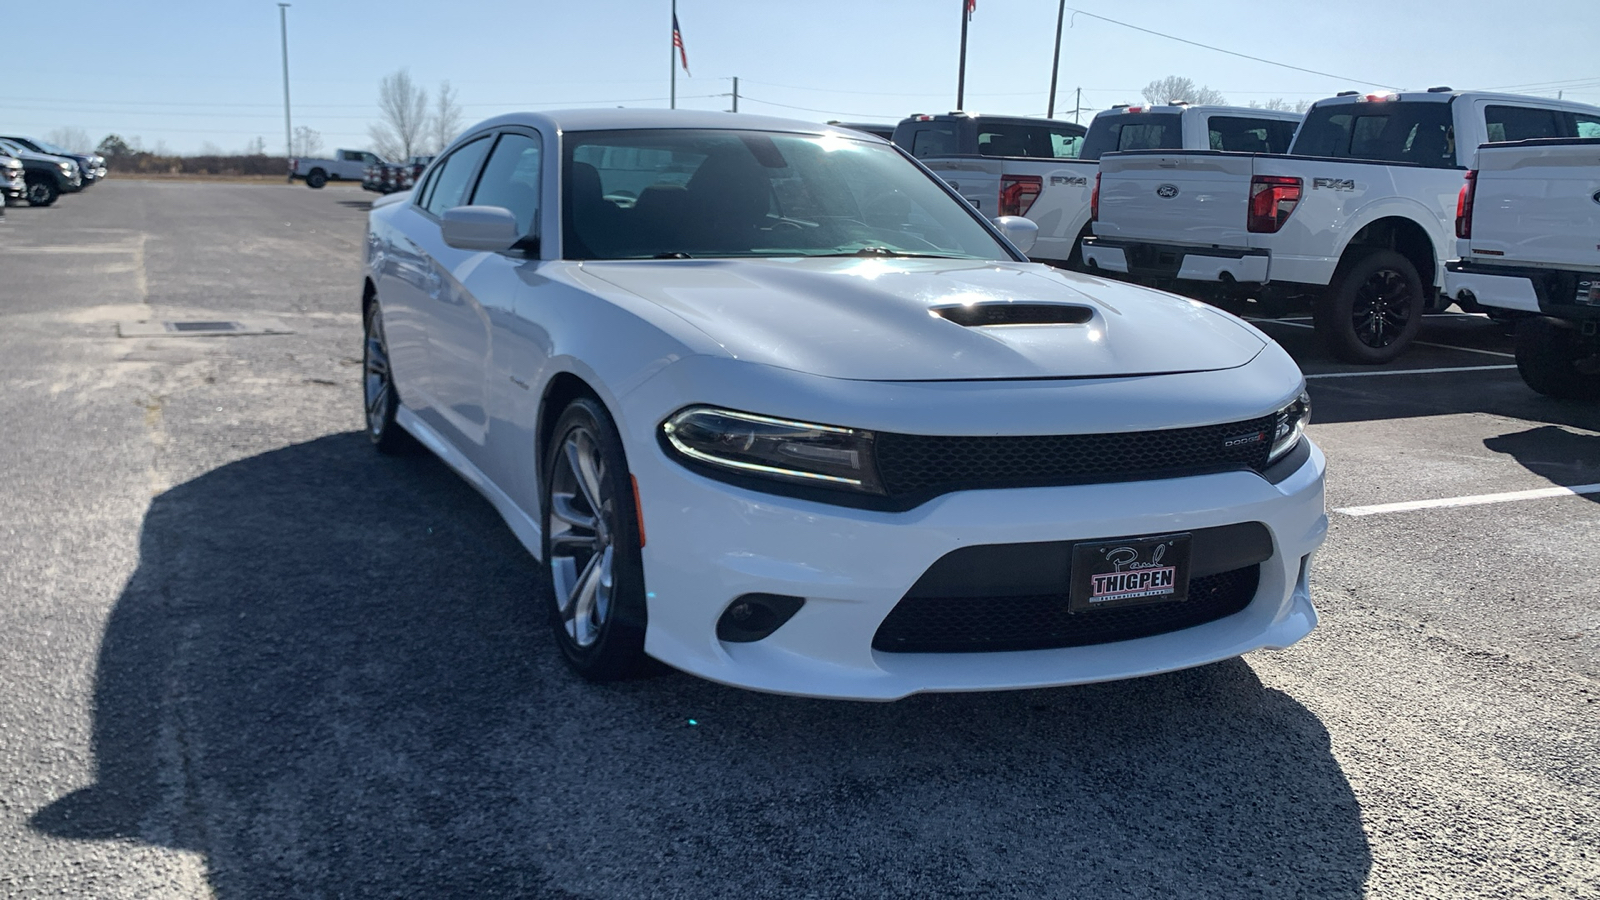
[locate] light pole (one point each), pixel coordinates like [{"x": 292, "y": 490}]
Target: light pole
[{"x": 288, "y": 133}]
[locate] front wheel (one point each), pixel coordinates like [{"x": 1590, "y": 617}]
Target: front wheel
[
  {"x": 41, "y": 191},
  {"x": 1555, "y": 359},
  {"x": 378, "y": 393},
  {"x": 1373, "y": 309},
  {"x": 316, "y": 179},
  {"x": 592, "y": 546}
]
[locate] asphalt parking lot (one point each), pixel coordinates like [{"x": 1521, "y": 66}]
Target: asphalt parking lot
[{"x": 244, "y": 657}]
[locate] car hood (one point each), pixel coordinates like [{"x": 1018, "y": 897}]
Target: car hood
[{"x": 885, "y": 319}]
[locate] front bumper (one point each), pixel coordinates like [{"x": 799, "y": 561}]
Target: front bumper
[
  {"x": 709, "y": 543},
  {"x": 1186, "y": 263}
]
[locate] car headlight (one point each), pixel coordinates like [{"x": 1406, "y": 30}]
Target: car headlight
[
  {"x": 65, "y": 167},
  {"x": 1290, "y": 426},
  {"x": 824, "y": 456}
]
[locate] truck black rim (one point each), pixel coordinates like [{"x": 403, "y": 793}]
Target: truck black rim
[{"x": 1382, "y": 308}]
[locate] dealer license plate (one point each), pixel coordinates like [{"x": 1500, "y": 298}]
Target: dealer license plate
[{"x": 1129, "y": 572}]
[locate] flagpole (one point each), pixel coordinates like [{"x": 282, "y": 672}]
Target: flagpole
[
  {"x": 672, "y": 56},
  {"x": 961, "y": 73}
]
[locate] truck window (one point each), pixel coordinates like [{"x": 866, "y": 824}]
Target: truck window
[
  {"x": 1029, "y": 141},
  {"x": 1245, "y": 135},
  {"x": 1133, "y": 131},
  {"x": 933, "y": 140},
  {"x": 1521, "y": 123},
  {"x": 1389, "y": 131},
  {"x": 1586, "y": 126}
]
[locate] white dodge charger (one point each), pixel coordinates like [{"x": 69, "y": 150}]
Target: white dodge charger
[{"x": 775, "y": 406}]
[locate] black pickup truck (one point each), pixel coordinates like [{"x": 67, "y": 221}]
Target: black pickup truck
[{"x": 47, "y": 177}]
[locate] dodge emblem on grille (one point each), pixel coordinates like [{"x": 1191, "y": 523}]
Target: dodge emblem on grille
[{"x": 1167, "y": 191}]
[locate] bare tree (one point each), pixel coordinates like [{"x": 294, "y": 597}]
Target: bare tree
[
  {"x": 307, "y": 141},
  {"x": 70, "y": 138},
  {"x": 1282, "y": 105},
  {"x": 446, "y": 122},
  {"x": 1176, "y": 87},
  {"x": 257, "y": 146},
  {"x": 403, "y": 110}
]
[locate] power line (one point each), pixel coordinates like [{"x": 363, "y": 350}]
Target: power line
[{"x": 1270, "y": 62}]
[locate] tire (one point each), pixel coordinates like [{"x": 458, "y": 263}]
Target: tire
[
  {"x": 1556, "y": 360},
  {"x": 1373, "y": 309},
  {"x": 591, "y": 535},
  {"x": 41, "y": 191},
  {"x": 316, "y": 179},
  {"x": 378, "y": 394}
]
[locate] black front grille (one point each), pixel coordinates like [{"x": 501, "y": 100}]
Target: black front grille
[
  {"x": 923, "y": 465},
  {"x": 1041, "y": 621}
]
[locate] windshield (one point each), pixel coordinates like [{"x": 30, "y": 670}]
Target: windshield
[{"x": 656, "y": 194}]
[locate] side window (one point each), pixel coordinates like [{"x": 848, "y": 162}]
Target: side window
[
  {"x": 1246, "y": 135},
  {"x": 453, "y": 183},
  {"x": 1520, "y": 123},
  {"x": 933, "y": 141},
  {"x": 511, "y": 179},
  {"x": 1065, "y": 146},
  {"x": 1586, "y": 126}
]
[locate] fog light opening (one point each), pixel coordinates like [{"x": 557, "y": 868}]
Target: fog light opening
[{"x": 751, "y": 617}]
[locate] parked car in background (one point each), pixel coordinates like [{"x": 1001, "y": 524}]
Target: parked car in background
[
  {"x": 92, "y": 166},
  {"x": 770, "y": 420},
  {"x": 46, "y": 177},
  {"x": 1528, "y": 223},
  {"x": 348, "y": 165},
  {"x": 884, "y": 130},
  {"x": 1356, "y": 223},
  {"x": 386, "y": 178},
  {"x": 13, "y": 184}
]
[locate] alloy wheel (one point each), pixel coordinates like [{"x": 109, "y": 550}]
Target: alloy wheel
[
  {"x": 582, "y": 526},
  {"x": 1382, "y": 308},
  {"x": 38, "y": 192},
  {"x": 377, "y": 384}
]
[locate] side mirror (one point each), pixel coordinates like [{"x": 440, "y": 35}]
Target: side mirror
[
  {"x": 1019, "y": 231},
  {"x": 491, "y": 228}
]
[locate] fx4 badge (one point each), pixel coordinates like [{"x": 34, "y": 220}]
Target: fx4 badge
[
  {"x": 1167, "y": 191},
  {"x": 1332, "y": 184},
  {"x": 1075, "y": 180}
]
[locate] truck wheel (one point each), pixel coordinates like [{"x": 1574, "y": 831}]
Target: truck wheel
[
  {"x": 1554, "y": 359},
  {"x": 316, "y": 179},
  {"x": 1372, "y": 310},
  {"x": 41, "y": 190}
]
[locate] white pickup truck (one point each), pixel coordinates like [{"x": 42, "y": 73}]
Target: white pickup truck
[
  {"x": 1356, "y": 222},
  {"x": 1044, "y": 169},
  {"x": 350, "y": 165},
  {"x": 1528, "y": 220}
]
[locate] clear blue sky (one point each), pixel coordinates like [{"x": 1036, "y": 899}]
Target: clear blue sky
[{"x": 182, "y": 73}]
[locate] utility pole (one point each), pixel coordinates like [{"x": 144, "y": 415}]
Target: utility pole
[
  {"x": 283, "y": 29},
  {"x": 735, "y": 94},
  {"x": 1055, "y": 64},
  {"x": 1077, "y": 106},
  {"x": 961, "y": 72},
  {"x": 672, "y": 56}
]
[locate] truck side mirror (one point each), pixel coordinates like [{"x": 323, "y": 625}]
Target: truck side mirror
[
  {"x": 1018, "y": 230},
  {"x": 491, "y": 228}
]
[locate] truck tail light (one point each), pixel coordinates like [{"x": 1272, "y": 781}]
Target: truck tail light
[
  {"x": 1017, "y": 193},
  {"x": 1094, "y": 200},
  {"x": 1464, "y": 205},
  {"x": 1272, "y": 200}
]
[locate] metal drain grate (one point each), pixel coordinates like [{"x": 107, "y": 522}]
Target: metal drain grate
[
  {"x": 200, "y": 328},
  {"x": 191, "y": 327}
]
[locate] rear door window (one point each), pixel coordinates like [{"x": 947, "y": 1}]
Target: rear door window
[
  {"x": 1242, "y": 134},
  {"x": 1030, "y": 141},
  {"x": 1133, "y": 131},
  {"x": 1585, "y": 126},
  {"x": 1420, "y": 133},
  {"x": 933, "y": 140},
  {"x": 1521, "y": 123}
]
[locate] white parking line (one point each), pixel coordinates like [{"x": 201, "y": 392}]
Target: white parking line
[
  {"x": 1410, "y": 371},
  {"x": 1474, "y": 500},
  {"x": 1418, "y": 343}
]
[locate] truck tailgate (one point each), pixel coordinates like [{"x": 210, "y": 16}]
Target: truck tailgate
[
  {"x": 1538, "y": 205},
  {"x": 1198, "y": 198}
]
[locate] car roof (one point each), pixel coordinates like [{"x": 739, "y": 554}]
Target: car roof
[
  {"x": 1167, "y": 109},
  {"x": 628, "y": 119}
]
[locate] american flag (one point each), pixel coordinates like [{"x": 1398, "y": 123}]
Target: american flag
[{"x": 677, "y": 41}]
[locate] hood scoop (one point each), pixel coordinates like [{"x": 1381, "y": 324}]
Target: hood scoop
[{"x": 977, "y": 315}]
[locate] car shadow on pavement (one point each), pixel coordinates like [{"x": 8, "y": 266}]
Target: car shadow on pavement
[
  {"x": 1561, "y": 456},
  {"x": 330, "y": 677},
  {"x": 356, "y": 204}
]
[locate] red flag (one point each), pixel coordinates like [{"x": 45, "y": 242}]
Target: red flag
[
  {"x": 677, "y": 41},
  {"x": 972, "y": 7}
]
